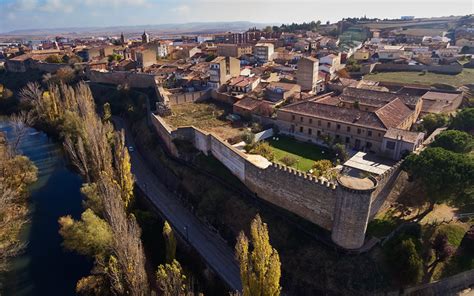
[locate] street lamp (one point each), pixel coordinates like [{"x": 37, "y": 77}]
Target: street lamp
[{"x": 187, "y": 234}]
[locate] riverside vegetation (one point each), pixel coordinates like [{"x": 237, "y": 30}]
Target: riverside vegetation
[
  {"x": 16, "y": 173},
  {"x": 108, "y": 231}
]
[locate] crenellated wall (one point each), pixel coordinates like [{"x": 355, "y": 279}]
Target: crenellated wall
[
  {"x": 334, "y": 206},
  {"x": 298, "y": 192}
]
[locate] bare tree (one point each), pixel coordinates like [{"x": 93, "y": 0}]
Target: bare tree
[{"x": 21, "y": 122}]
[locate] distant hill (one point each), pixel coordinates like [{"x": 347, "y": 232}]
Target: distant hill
[{"x": 185, "y": 28}]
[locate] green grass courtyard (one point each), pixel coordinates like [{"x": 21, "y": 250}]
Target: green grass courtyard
[{"x": 305, "y": 153}]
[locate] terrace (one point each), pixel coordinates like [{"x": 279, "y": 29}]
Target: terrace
[{"x": 207, "y": 116}]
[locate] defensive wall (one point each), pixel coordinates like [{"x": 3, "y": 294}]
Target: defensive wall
[
  {"x": 185, "y": 97},
  {"x": 334, "y": 206},
  {"x": 132, "y": 79},
  {"x": 441, "y": 69}
]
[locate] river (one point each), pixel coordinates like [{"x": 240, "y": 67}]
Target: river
[{"x": 45, "y": 268}]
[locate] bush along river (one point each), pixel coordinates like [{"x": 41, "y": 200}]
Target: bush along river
[{"x": 45, "y": 268}]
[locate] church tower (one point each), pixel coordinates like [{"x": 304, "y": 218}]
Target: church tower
[
  {"x": 145, "y": 38},
  {"x": 122, "y": 39}
]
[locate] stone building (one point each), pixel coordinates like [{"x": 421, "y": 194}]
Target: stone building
[
  {"x": 307, "y": 73},
  {"x": 359, "y": 118},
  {"x": 233, "y": 50},
  {"x": 221, "y": 69}
]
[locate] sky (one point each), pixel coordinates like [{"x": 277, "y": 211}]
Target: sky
[{"x": 35, "y": 14}]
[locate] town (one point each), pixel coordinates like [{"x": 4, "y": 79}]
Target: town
[{"x": 352, "y": 141}]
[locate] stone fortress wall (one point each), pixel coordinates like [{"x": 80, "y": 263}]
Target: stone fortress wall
[
  {"x": 342, "y": 210},
  {"x": 132, "y": 79}
]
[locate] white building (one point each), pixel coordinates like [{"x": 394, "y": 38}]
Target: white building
[{"x": 263, "y": 52}]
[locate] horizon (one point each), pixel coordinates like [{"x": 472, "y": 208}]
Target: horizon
[{"x": 61, "y": 14}]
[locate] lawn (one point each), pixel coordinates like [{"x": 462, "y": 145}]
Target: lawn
[
  {"x": 206, "y": 116},
  {"x": 305, "y": 153},
  {"x": 465, "y": 77}
]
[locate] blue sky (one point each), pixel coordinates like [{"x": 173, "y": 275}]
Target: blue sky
[{"x": 27, "y": 14}]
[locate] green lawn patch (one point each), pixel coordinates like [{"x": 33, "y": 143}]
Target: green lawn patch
[
  {"x": 454, "y": 232},
  {"x": 465, "y": 77},
  {"x": 380, "y": 227},
  {"x": 305, "y": 153}
]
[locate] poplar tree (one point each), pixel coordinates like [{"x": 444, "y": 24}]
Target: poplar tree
[
  {"x": 123, "y": 168},
  {"x": 260, "y": 268},
  {"x": 171, "y": 280},
  {"x": 170, "y": 242}
]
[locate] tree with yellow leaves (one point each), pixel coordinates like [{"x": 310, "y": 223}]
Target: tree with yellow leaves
[
  {"x": 259, "y": 269},
  {"x": 171, "y": 280},
  {"x": 123, "y": 168},
  {"x": 170, "y": 242}
]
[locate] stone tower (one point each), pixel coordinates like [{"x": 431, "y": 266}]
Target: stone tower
[
  {"x": 307, "y": 73},
  {"x": 145, "y": 37},
  {"x": 352, "y": 211}
]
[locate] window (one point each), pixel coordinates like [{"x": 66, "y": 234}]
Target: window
[
  {"x": 359, "y": 131},
  {"x": 310, "y": 131},
  {"x": 368, "y": 145},
  {"x": 369, "y": 133},
  {"x": 337, "y": 137},
  {"x": 348, "y": 140},
  {"x": 348, "y": 129},
  {"x": 292, "y": 117},
  {"x": 319, "y": 122},
  {"x": 319, "y": 133},
  {"x": 310, "y": 120},
  {"x": 380, "y": 135},
  {"x": 390, "y": 145},
  {"x": 301, "y": 119},
  {"x": 301, "y": 129},
  {"x": 338, "y": 126},
  {"x": 329, "y": 124}
]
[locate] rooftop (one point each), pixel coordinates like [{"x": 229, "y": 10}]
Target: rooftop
[
  {"x": 330, "y": 112},
  {"x": 439, "y": 96},
  {"x": 406, "y": 136}
]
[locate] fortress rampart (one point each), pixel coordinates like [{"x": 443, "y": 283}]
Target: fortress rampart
[{"x": 344, "y": 207}]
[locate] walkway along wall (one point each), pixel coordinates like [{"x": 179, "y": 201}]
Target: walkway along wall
[{"x": 341, "y": 210}]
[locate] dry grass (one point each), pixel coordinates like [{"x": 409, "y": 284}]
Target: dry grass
[
  {"x": 206, "y": 116},
  {"x": 465, "y": 77}
]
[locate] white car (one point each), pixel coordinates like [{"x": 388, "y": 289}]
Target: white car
[{"x": 131, "y": 149}]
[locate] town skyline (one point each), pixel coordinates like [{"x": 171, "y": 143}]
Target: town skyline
[{"x": 51, "y": 14}]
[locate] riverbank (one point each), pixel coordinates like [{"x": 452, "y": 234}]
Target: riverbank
[{"x": 45, "y": 268}]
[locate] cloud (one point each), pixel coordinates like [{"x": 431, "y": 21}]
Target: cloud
[
  {"x": 11, "y": 16},
  {"x": 26, "y": 4},
  {"x": 117, "y": 3},
  {"x": 57, "y": 6},
  {"x": 181, "y": 9}
]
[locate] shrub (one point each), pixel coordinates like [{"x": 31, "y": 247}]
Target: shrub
[
  {"x": 264, "y": 149},
  {"x": 54, "y": 59},
  {"x": 340, "y": 151},
  {"x": 467, "y": 242},
  {"x": 289, "y": 160},
  {"x": 248, "y": 137},
  {"x": 454, "y": 140},
  {"x": 256, "y": 127},
  {"x": 434, "y": 121},
  {"x": 405, "y": 261},
  {"x": 323, "y": 168}
]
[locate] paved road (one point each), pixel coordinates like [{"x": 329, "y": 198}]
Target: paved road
[{"x": 218, "y": 255}]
